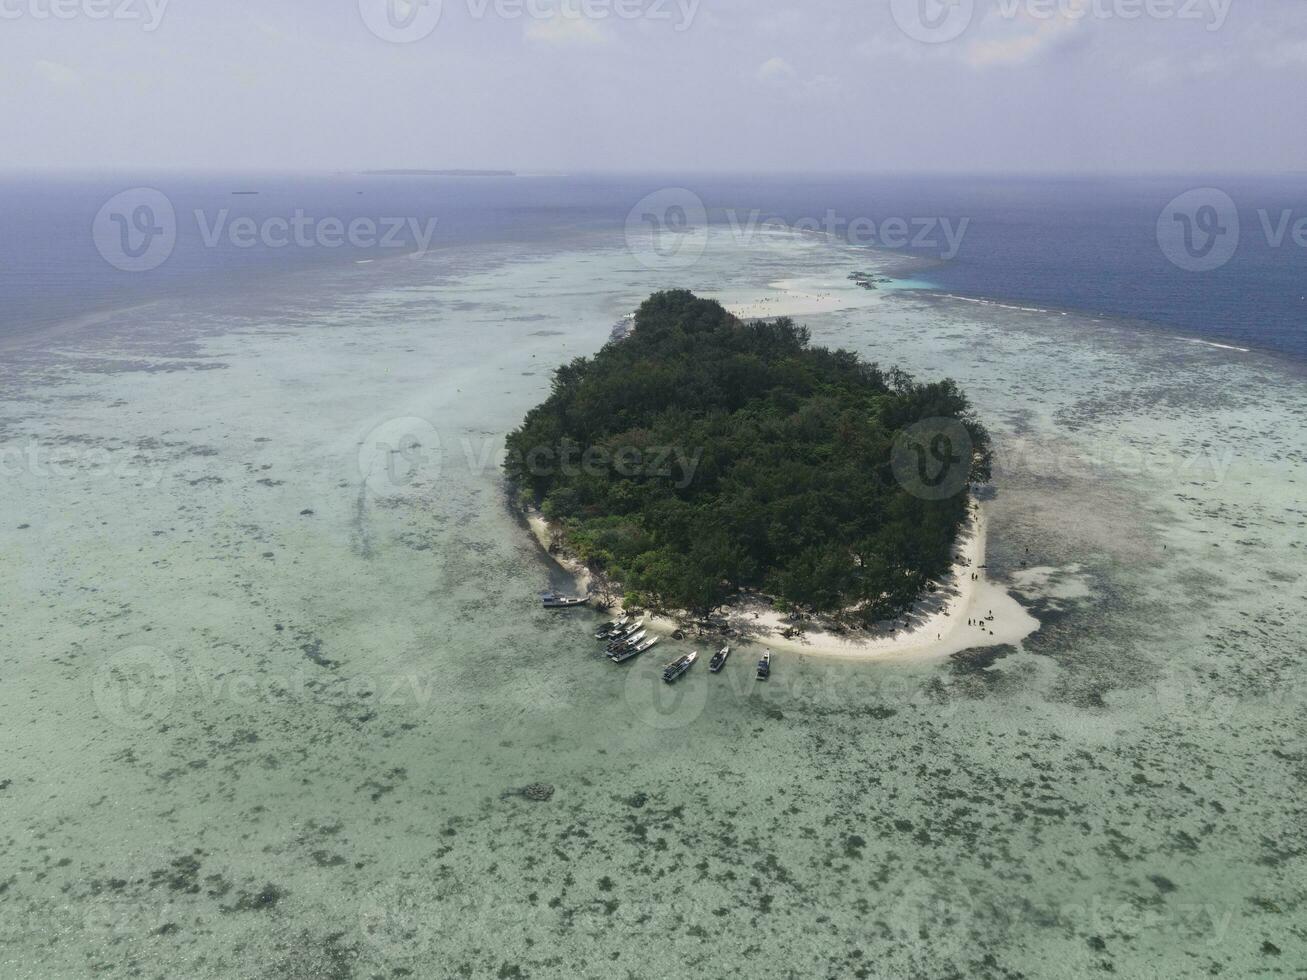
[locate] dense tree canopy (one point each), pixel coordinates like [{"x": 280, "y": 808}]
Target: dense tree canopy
[{"x": 702, "y": 455}]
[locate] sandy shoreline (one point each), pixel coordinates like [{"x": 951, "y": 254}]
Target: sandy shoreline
[
  {"x": 544, "y": 535},
  {"x": 964, "y": 613},
  {"x": 796, "y": 298}
]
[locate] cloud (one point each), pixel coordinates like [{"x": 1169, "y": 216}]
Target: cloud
[
  {"x": 57, "y": 74},
  {"x": 1024, "y": 47},
  {"x": 1275, "y": 49},
  {"x": 779, "y": 75},
  {"x": 560, "y": 29},
  {"x": 1286, "y": 54},
  {"x": 1281, "y": 46},
  {"x": 776, "y": 71}
]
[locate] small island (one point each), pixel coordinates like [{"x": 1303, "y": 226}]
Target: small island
[
  {"x": 439, "y": 173},
  {"x": 700, "y": 461}
]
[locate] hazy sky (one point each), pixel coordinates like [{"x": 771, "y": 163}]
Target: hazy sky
[{"x": 762, "y": 85}]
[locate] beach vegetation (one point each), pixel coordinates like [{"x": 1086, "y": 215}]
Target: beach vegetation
[{"x": 703, "y": 455}]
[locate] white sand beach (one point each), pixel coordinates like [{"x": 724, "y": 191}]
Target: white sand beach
[
  {"x": 798, "y": 297},
  {"x": 967, "y": 611},
  {"x": 544, "y": 535}
]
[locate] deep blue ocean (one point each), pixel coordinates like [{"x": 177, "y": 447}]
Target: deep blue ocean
[{"x": 1084, "y": 244}]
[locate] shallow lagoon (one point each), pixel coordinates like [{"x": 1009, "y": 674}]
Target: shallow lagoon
[{"x": 267, "y": 684}]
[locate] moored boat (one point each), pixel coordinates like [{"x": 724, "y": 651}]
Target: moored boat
[
  {"x": 553, "y": 600},
  {"x": 764, "y": 666},
  {"x": 609, "y": 630},
  {"x": 719, "y": 659},
  {"x": 635, "y": 651},
  {"x": 626, "y": 642},
  {"x": 677, "y": 668},
  {"x": 625, "y": 632}
]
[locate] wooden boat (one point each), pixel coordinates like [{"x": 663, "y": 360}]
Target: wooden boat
[
  {"x": 609, "y": 630},
  {"x": 623, "y": 636},
  {"x": 764, "y": 666},
  {"x": 553, "y": 600},
  {"x": 675, "y": 670},
  {"x": 635, "y": 651},
  {"x": 625, "y": 631},
  {"x": 635, "y": 639},
  {"x": 719, "y": 660}
]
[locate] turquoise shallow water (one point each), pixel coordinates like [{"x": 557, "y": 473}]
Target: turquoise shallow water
[{"x": 269, "y": 687}]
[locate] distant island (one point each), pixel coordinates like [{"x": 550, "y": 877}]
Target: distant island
[
  {"x": 701, "y": 456},
  {"x": 439, "y": 173}
]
